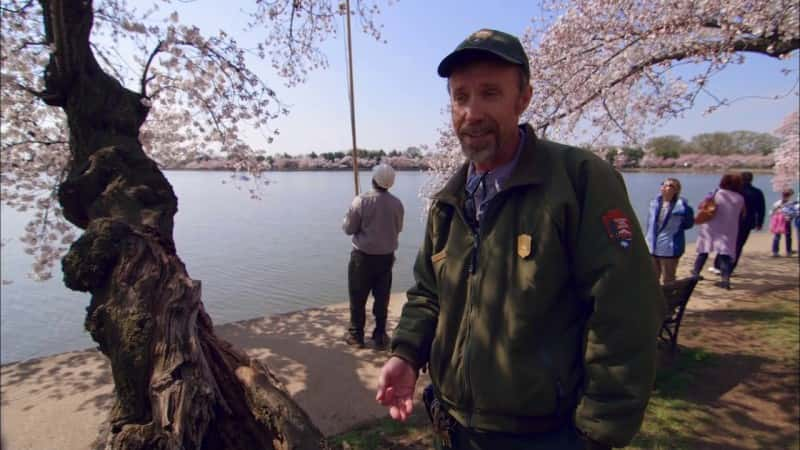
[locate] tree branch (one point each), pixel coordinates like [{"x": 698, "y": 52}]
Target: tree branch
[
  {"x": 27, "y": 44},
  {"x": 588, "y": 76},
  {"x": 291, "y": 28},
  {"x": 20, "y": 10},
  {"x": 144, "y": 78},
  {"x": 33, "y": 142},
  {"x": 38, "y": 94},
  {"x": 98, "y": 51},
  {"x": 754, "y": 45},
  {"x": 619, "y": 126},
  {"x": 765, "y": 46}
]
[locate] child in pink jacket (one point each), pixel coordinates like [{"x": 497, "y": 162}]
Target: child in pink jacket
[{"x": 779, "y": 224}]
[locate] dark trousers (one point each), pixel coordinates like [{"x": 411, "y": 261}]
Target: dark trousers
[
  {"x": 563, "y": 438},
  {"x": 776, "y": 240},
  {"x": 365, "y": 274},
  {"x": 741, "y": 238},
  {"x": 725, "y": 264}
]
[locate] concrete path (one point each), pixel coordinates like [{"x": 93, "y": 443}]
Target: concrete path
[{"x": 59, "y": 402}]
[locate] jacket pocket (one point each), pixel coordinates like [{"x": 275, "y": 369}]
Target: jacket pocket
[
  {"x": 526, "y": 389},
  {"x": 438, "y": 260}
]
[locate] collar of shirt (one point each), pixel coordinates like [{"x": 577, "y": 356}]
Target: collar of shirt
[
  {"x": 492, "y": 180},
  {"x": 495, "y": 178}
]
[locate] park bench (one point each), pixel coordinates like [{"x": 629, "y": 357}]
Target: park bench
[{"x": 676, "y": 296}]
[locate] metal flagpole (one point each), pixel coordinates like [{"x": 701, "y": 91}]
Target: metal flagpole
[{"x": 352, "y": 98}]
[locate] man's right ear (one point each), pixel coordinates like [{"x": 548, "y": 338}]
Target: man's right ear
[{"x": 524, "y": 100}]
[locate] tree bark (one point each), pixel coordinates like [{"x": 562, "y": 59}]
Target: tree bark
[{"x": 177, "y": 385}]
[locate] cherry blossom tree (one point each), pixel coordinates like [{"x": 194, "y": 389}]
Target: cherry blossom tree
[
  {"x": 200, "y": 91},
  {"x": 84, "y": 132},
  {"x": 616, "y": 63},
  {"x": 604, "y": 68},
  {"x": 787, "y": 170}
]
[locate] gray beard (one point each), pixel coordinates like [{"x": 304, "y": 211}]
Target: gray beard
[{"x": 480, "y": 155}]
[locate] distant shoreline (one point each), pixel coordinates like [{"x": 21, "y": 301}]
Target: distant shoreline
[
  {"x": 318, "y": 169},
  {"x": 755, "y": 170}
]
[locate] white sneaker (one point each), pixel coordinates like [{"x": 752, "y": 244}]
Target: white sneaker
[{"x": 714, "y": 270}]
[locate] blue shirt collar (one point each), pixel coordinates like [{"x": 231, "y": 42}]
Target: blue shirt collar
[{"x": 500, "y": 174}]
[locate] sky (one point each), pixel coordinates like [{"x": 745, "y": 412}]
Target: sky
[{"x": 399, "y": 98}]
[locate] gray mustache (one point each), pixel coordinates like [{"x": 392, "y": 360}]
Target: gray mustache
[{"x": 480, "y": 129}]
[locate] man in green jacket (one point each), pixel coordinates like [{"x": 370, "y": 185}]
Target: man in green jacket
[{"x": 535, "y": 308}]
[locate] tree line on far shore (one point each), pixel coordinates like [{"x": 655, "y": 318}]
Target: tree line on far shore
[
  {"x": 412, "y": 158},
  {"x": 718, "y": 150}
]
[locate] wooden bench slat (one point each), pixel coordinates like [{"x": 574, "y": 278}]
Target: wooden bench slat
[{"x": 676, "y": 296}]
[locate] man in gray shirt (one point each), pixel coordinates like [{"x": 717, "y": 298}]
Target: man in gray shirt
[{"x": 375, "y": 219}]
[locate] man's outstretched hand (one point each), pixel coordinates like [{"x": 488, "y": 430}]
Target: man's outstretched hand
[{"x": 396, "y": 387}]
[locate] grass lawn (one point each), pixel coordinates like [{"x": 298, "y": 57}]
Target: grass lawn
[
  {"x": 384, "y": 434},
  {"x": 732, "y": 386}
]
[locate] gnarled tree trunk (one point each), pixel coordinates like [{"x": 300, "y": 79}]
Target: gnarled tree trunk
[{"x": 177, "y": 385}]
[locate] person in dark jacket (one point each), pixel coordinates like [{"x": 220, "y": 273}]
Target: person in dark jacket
[
  {"x": 535, "y": 308},
  {"x": 753, "y": 219},
  {"x": 375, "y": 220},
  {"x": 669, "y": 217}
]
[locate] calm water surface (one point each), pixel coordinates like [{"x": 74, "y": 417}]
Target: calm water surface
[{"x": 255, "y": 257}]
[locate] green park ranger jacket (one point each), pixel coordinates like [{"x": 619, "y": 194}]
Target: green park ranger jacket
[{"x": 550, "y": 308}]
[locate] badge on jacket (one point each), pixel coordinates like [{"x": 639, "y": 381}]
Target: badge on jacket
[
  {"x": 524, "y": 245},
  {"x": 618, "y": 227}
]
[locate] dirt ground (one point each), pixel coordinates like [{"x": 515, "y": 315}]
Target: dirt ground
[{"x": 750, "y": 387}]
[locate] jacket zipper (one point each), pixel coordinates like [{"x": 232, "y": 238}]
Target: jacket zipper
[
  {"x": 473, "y": 267},
  {"x": 547, "y": 361},
  {"x": 559, "y": 396}
]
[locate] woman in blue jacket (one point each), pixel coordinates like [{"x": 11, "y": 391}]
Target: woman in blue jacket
[{"x": 669, "y": 215}]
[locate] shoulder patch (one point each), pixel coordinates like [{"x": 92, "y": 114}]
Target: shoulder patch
[{"x": 618, "y": 227}]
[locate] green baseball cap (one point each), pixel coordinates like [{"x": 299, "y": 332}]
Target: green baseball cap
[{"x": 497, "y": 43}]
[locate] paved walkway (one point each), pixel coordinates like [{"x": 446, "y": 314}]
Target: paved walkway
[{"x": 59, "y": 402}]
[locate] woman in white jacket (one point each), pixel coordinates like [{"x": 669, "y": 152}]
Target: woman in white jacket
[{"x": 720, "y": 233}]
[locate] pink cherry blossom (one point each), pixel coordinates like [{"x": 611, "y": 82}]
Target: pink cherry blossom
[
  {"x": 200, "y": 88},
  {"x": 787, "y": 170}
]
